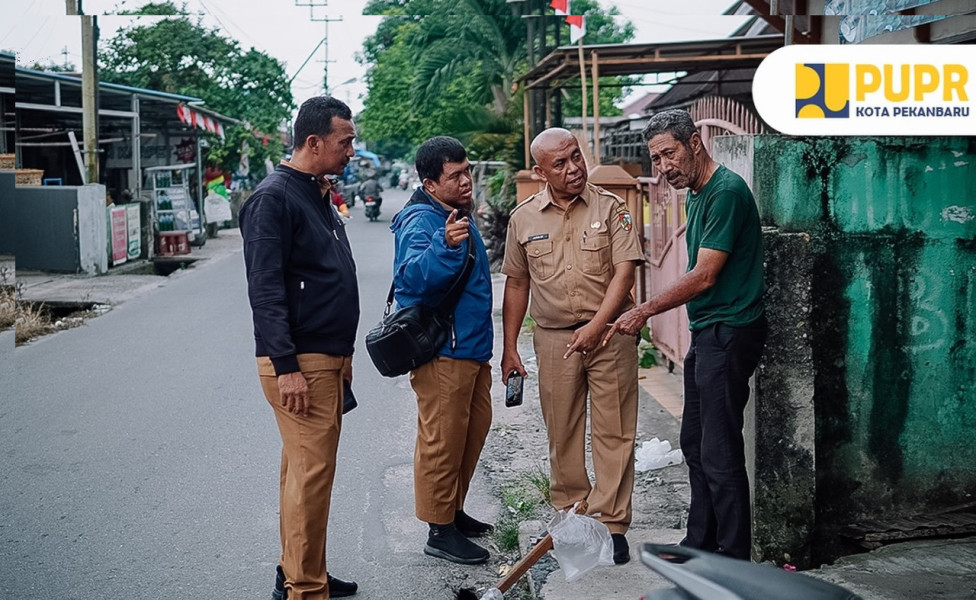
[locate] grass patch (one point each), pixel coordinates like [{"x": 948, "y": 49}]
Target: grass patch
[
  {"x": 538, "y": 478},
  {"x": 8, "y": 307},
  {"x": 528, "y": 324},
  {"x": 32, "y": 321},
  {"x": 523, "y": 500}
]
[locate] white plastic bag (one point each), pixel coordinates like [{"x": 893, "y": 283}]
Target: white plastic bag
[
  {"x": 655, "y": 454},
  {"x": 580, "y": 543}
]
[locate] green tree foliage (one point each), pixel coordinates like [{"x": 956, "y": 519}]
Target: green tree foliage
[
  {"x": 53, "y": 67},
  {"x": 451, "y": 67},
  {"x": 601, "y": 28},
  {"x": 172, "y": 53}
]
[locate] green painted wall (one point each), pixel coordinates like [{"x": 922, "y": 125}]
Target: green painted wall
[{"x": 893, "y": 225}]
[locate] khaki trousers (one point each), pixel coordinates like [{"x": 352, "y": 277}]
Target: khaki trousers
[
  {"x": 609, "y": 375},
  {"x": 308, "y": 458},
  {"x": 453, "y": 418}
]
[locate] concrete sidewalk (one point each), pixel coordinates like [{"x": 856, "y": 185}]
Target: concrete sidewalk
[{"x": 121, "y": 283}]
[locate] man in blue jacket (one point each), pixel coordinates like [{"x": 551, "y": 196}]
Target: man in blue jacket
[
  {"x": 301, "y": 282},
  {"x": 433, "y": 236}
]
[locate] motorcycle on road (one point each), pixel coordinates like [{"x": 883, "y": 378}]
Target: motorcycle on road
[{"x": 371, "y": 208}]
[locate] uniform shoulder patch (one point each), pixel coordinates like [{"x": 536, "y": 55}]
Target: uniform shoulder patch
[{"x": 624, "y": 220}]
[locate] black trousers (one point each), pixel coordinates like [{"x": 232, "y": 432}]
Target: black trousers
[{"x": 718, "y": 366}]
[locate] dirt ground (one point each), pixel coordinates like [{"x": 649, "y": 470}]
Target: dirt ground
[{"x": 517, "y": 449}]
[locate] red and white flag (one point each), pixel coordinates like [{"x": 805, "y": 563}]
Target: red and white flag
[
  {"x": 560, "y": 6},
  {"x": 577, "y": 27}
]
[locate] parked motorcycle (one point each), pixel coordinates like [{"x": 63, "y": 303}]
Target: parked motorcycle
[
  {"x": 705, "y": 576},
  {"x": 371, "y": 208}
]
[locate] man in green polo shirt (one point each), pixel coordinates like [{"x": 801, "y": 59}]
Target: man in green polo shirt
[{"x": 722, "y": 290}]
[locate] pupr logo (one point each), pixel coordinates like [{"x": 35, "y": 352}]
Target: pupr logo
[
  {"x": 868, "y": 89},
  {"x": 822, "y": 90}
]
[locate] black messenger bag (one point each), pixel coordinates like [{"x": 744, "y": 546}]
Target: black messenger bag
[{"x": 412, "y": 336}]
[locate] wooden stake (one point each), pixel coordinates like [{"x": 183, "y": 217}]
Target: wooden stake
[{"x": 583, "y": 93}]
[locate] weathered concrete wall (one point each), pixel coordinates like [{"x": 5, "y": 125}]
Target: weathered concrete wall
[
  {"x": 780, "y": 422},
  {"x": 892, "y": 223},
  {"x": 59, "y": 228},
  {"x": 6, "y": 212}
]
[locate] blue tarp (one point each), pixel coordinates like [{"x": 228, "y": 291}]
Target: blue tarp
[{"x": 369, "y": 155}]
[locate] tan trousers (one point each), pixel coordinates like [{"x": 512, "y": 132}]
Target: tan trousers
[
  {"x": 308, "y": 458},
  {"x": 609, "y": 375},
  {"x": 453, "y": 418}
]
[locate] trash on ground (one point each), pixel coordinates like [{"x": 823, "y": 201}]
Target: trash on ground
[
  {"x": 579, "y": 543},
  {"x": 655, "y": 454}
]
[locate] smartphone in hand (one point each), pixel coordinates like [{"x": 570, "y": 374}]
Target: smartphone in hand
[
  {"x": 513, "y": 391},
  {"x": 348, "y": 398}
]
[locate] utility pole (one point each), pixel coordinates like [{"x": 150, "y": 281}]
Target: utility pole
[
  {"x": 89, "y": 89},
  {"x": 312, "y": 5}
]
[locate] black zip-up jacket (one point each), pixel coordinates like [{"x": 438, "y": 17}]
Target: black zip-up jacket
[{"x": 301, "y": 277}]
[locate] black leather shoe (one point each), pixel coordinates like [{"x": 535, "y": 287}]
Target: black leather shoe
[
  {"x": 621, "y": 549},
  {"x": 340, "y": 589},
  {"x": 337, "y": 587},
  {"x": 445, "y": 541},
  {"x": 471, "y": 527}
]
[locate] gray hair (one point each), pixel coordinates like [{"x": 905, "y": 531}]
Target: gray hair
[{"x": 675, "y": 121}]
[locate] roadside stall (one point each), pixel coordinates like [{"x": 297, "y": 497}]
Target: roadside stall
[{"x": 138, "y": 129}]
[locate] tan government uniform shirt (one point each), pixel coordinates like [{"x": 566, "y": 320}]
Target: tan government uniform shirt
[{"x": 568, "y": 255}]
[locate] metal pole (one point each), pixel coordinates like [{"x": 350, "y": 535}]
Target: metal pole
[
  {"x": 200, "y": 212},
  {"x": 582, "y": 65},
  {"x": 525, "y": 126},
  {"x": 136, "y": 182}
]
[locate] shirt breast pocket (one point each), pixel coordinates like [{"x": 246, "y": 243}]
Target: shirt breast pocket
[
  {"x": 596, "y": 254},
  {"x": 540, "y": 258}
]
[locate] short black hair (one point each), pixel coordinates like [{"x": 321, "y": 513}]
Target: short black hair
[
  {"x": 677, "y": 122},
  {"x": 315, "y": 117},
  {"x": 436, "y": 151}
]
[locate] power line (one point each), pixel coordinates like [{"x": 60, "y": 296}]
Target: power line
[{"x": 243, "y": 32}]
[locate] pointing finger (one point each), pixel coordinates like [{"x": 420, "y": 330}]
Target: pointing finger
[{"x": 452, "y": 218}]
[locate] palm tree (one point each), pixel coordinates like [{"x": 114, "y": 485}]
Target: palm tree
[{"x": 481, "y": 37}]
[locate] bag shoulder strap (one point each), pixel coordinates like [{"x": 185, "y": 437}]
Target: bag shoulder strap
[{"x": 449, "y": 301}]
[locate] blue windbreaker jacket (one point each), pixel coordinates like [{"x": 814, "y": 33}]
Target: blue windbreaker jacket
[{"x": 424, "y": 267}]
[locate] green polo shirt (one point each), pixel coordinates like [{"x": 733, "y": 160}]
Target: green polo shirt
[{"x": 723, "y": 216}]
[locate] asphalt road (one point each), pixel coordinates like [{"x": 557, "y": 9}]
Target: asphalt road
[{"x": 139, "y": 459}]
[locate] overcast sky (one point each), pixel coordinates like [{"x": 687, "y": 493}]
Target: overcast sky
[{"x": 38, "y": 30}]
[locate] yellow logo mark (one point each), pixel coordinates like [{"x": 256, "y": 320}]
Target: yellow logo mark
[{"x": 822, "y": 90}]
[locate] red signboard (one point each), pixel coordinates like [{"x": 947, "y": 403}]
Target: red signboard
[{"x": 120, "y": 234}]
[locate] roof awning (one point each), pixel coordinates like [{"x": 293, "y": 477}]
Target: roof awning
[
  {"x": 53, "y": 101},
  {"x": 562, "y": 64},
  {"x": 200, "y": 120}
]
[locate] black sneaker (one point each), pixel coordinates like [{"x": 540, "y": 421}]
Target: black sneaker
[
  {"x": 445, "y": 541},
  {"x": 621, "y": 549},
  {"x": 337, "y": 587},
  {"x": 279, "y": 592},
  {"x": 340, "y": 589},
  {"x": 471, "y": 527}
]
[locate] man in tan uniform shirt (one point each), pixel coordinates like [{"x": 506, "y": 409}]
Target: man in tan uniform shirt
[{"x": 572, "y": 248}]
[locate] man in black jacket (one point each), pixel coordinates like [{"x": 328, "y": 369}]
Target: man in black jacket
[{"x": 304, "y": 298}]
